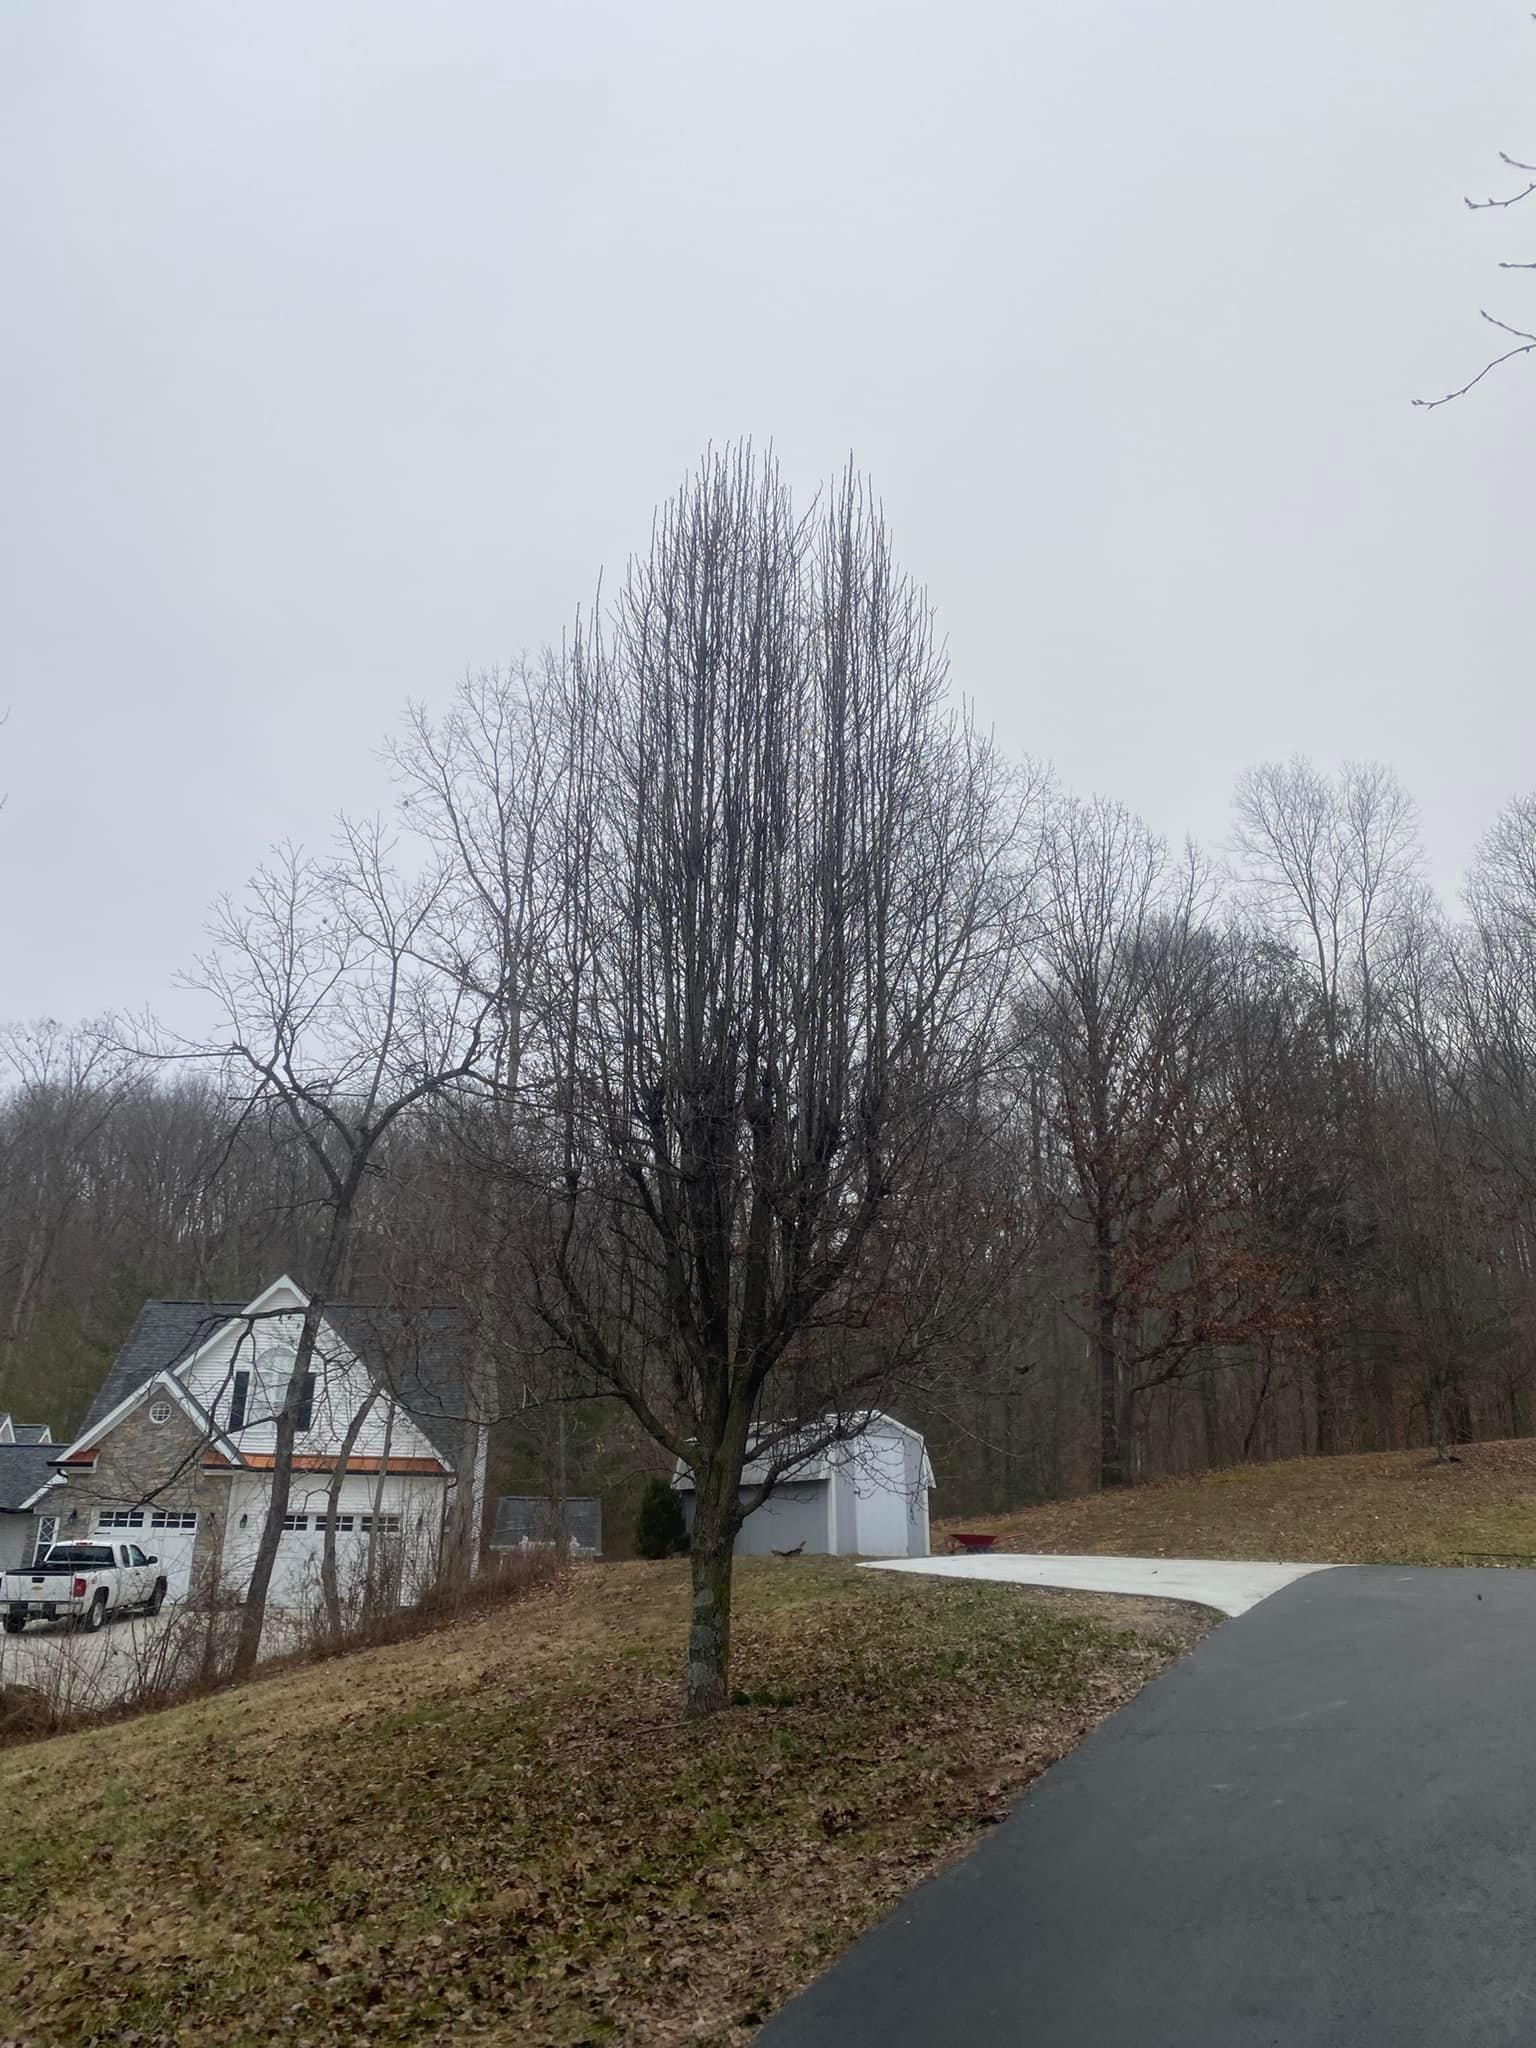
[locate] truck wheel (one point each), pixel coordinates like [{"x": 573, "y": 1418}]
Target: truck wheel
[
  {"x": 157, "y": 1598},
  {"x": 14, "y": 1624},
  {"x": 95, "y": 1614}
]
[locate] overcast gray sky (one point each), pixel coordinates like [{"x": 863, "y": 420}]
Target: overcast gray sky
[{"x": 344, "y": 343}]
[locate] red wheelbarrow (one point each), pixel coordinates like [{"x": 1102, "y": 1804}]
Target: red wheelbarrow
[{"x": 970, "y": 1542}]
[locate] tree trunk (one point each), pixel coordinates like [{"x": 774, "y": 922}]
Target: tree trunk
[
  {"x": 1267, "y": 1353},
  {"x": 254, "y": 1613},
  {"x": 716, "y": 1519},
  {"x": 1114, "y": 1469},
  {"x": 709, "y": 1625},
  {"x": 372, "y": 1601},
  {"x": 330, "y": 1588},
  {"x": 1210, "y": 1418},
  {"x": 1322, "y": 1399}
]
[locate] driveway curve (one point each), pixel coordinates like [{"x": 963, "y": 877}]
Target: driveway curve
[{"x": 1317, "y": 1831}]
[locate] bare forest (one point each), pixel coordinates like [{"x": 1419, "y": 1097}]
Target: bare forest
[{"x": 744, "y": 1043}]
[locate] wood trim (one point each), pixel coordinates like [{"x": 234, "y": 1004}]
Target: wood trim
[{"x": 265, "y": 1461}]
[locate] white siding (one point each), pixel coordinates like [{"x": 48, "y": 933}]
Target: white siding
[
  {"x": 264, "y": 1350},
  {"x": 867, "y": 1498},
  {"x": 793, "y": 1513},
  {"x": 416, "y": 1500}
]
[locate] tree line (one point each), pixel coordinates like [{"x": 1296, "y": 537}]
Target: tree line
[{"x": 746, "y": 1043}]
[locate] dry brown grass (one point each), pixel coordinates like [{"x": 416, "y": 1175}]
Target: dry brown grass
[
  {"x": 54, "y": 1681},
  {"x": 1395, "y": 1507},
  {"x": 504, "y": 1833}
]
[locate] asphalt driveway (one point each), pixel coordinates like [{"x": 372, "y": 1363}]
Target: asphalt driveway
[{"x": 1320, "y": 1828}]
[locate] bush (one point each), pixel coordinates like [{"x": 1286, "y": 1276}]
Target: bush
[{"x": 660, "y": 1529}]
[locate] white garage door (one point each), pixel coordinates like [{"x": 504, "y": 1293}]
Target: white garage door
[{"x": 170, "y": 1538}]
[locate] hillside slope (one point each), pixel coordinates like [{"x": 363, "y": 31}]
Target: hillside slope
[
  {"x": 504, "y": 1833},
  {"x": 1392, "y": 1507}
]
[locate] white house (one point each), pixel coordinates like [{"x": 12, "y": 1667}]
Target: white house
[
  {"x": 179, "y": 1444},
  {"x": 865, "y": 1498}
]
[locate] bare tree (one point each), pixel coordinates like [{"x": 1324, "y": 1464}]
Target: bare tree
[
  {"x": 1524, "y": 341},
  {"x": 336, "y": 1029},
  {"x": 1127, "y": 992},
  {"x": 787, "y": 904},
  {"x": 67, "y": 1090},
  {"x": 484, "y": 787}
]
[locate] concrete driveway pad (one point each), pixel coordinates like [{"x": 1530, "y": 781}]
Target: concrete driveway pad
[{"x": 1230, "y": 1588}]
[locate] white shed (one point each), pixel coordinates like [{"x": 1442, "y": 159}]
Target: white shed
[{"x": 867, "y": 1498}]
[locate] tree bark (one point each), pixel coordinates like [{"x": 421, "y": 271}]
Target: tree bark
[
  {"x": 709, "y": 1625},
  {"x": 254, "y": 1613},
  {"x": 371, "y": 1588},
  {"x": 330, "y": 1588},
  {"x": 1210, "y": 1418},
  {"x": 1113, "y": 1467},
  {"x": 716, "y": 1519},
  {"x": 1322, "y": 1399}
]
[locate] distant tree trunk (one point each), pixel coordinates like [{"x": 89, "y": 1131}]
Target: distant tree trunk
[
  {"x": 1113, "y": 1448},
  {"x": 254, "y": 1613},
  {"x": 372, "y": 1590},
  {"x": 1251, "y": 1434},
  {"x": 1210, "y": 1418},
  {"x": 330, "y": 1590},
  {"x": 1322, "y": 1400}
]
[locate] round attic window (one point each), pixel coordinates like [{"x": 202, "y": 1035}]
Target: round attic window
[{"x": 160, "y": 1411}]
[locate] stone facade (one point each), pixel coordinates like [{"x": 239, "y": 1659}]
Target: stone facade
[{"x": 155, "y": 1465}]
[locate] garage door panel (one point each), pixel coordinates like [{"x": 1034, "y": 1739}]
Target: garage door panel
[{"x": 171, "y": 1539}]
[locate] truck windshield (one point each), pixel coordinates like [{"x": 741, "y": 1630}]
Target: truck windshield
[{"x": 71, "y": 1556}]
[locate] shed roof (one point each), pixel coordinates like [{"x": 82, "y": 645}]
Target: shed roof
[{"x": 820, "y": 1465}]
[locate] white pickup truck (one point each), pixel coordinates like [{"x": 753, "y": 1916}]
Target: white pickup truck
[{"x": 82, "y": 1583}]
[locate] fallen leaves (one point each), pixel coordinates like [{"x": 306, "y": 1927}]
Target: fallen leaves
[{"x": 510, "y": 1836}]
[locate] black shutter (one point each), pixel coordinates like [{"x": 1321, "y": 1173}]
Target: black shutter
[
  {"x": 237, "y": 1400},
  {"x": 306, "y": 1404}
]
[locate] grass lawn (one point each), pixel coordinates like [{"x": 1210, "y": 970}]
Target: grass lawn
[
  {"x": 1393, "y": 1507},
  {"x": 504, "y": 1833}
]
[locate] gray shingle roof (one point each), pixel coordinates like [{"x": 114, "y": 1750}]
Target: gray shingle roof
[
  {"x": 31, "y": 1432},
  {"x": 421, "y": 1356},
  {"x": 23, "y": 1469},
  {"x": 164, "y": 1333},
  {"x": 418, "y": 1354}
]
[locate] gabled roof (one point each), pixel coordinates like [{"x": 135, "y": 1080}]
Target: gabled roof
[
  {"x": 26, "y": 1470},
  {"x": 819, "y": 1464},
  {"x": 220, "y": 1448},
  {"x": 164, "y": 1335},
  {"x": 32, "y": 1432},
  {"x": 418, "y": 1355}
]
